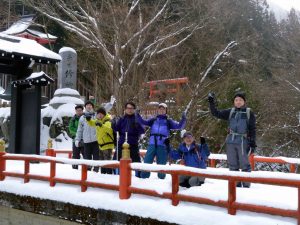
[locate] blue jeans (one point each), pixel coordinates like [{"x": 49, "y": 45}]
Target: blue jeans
[{"x": 161, "y": 158}]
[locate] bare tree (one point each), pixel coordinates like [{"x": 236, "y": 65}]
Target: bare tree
[{"x": 127, "y": 34}]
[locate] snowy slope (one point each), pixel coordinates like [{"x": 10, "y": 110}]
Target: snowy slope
[
  {"x": 281, "y": 8},
  {"x": 279, "y": 12},
  {"x": 162, "y": 209}
]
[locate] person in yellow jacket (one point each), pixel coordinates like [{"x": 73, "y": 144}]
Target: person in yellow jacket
[{"x": 105, "y": 136}]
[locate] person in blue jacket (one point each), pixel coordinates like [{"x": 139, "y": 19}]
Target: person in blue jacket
[
  {"x": 189, "y": 153},
  {"x": 160, "y": 127}
]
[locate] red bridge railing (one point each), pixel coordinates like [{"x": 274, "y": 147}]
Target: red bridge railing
[
  {"x": 292, "y": 162},
  {"x": 213, "y": 159},
  {"x": 125, "y": 189}
]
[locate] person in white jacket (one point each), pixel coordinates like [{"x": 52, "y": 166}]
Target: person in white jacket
[{"x": 88, "y": 135}]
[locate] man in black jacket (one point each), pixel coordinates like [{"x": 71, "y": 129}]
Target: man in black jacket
[
  {"x": 241, "y": 140},
  {"x": 128, "y": 125}
]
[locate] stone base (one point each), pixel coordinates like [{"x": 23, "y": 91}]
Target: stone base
[{"x": 53, "y": 212}]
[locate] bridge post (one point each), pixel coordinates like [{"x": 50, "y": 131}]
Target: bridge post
[
  {"x": 292, "y": 168},
  {"x": 50, "y": 150},
  {"x": 175, "y": 189},
  {"x": 26, "y": 171},
  {"x": 298, "y": 213},
  {"x": 2, "y": 160},
  {"x": 52, "y": 173},
  {"x": 231, "y": 196},
  {"x": 83, "y": 177},
  {"x": 125, "y": 173},
  {"x": 212, "y": 163},
  {"x": 252, "y": 162}
]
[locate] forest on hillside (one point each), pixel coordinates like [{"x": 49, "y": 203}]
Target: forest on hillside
[{"x": 126, "y": 43}]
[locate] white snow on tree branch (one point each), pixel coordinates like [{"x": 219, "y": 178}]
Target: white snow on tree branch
[
  {"x": 133, "y": 6},
  {"x": 181, "y": 41},
  {"x": 296, "y": 88},
  {"x": 147, "y": 25},
  {"x": 209, "y": 68}
]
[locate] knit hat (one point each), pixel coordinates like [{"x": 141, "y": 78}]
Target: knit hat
[
  {"x": 89, "y": 102},
  {"x": 241, "y": 95},
  {"x": 187, "y": 134},
  {"x": 101, "y": 110}
]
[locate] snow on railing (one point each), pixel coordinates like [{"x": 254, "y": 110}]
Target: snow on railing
[
  {"x": 213, "y": 158},
  {"x": 126, "y": 189},
  {"x": 52, "y": 173}
]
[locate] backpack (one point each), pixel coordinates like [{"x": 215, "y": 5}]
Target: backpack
[
  {"x": 167, "y": 140},
  {"x": 248, "y": 110},
  {"x": 155, "y": 118}
]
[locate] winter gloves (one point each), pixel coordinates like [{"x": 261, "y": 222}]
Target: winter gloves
[
  {"x": 167, "y": 141},
  {"x": 99, "y": 124},
  {"x": 211, "y": 97},
  {"x": 252, "y": 148},
  {"x": 251, "y": 151},
  {"x": 202, "y": 140},
  {"x": 78, "y": 144},
  {"x": 88, "y": 116}
]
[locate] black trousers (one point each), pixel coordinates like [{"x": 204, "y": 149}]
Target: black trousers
[
  {"x": 134, "y": 155},
  {"x": 76, "y": 151},
  {"x": 91, "y": 151}
]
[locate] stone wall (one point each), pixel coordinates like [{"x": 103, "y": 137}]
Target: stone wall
[
  {"x": 48, "y": 212},
  {"x": 10, "y": 216}
]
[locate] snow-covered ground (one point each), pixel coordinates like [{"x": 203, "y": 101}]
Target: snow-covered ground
[{"x": 161, "y": 209}]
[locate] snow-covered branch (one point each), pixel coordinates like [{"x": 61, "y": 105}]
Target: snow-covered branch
[
  {"x": 147, "y": 25},
  {"x": 136, "y": 51},
  {"x": 209, "y": 68},
  {"x": 181, "y": 41},
  {"x": 161, "y": 39},
  {"x": 216, "y": 59},
  {"x": 296, "y": 88},
  {"x": 133, "y": 5}
]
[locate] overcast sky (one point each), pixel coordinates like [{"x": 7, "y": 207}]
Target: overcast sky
[{"x": 287, "y": 4}]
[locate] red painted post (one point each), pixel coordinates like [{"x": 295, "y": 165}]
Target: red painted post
[
  {"x": 231, "y": 196},
  {"x": 252, "y": 162},
  {"x": 125, "y": 172},
  {"x": 175, "y": 189},
  {"x": 52, "y": 173},
  {"x": 83, "y": 178},
  {"x": 213, "y": 163},
  {"x": 292, "y": 168},
  {"x": 26, "y": 171},
  {"x": 125, "y": 179},
  {"x": 2, "y": 165},
  {"x": 50, "y": 150},
  {"x": 298, "y": 216}
]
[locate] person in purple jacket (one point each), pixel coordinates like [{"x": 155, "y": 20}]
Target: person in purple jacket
[
  {"x": 160, "y": 127},
  {"x": 129, "y": 124}
]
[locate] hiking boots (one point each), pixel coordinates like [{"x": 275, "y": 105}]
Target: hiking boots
[{"x": 243, "y": 184}]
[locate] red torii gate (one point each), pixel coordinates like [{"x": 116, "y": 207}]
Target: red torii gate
[{"x": 174, "y": 83}]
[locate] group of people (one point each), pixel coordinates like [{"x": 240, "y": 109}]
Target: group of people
[{"x": 95, "y": 134}]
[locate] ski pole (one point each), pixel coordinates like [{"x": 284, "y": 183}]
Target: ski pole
[{"x": 117, "y": 147}]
